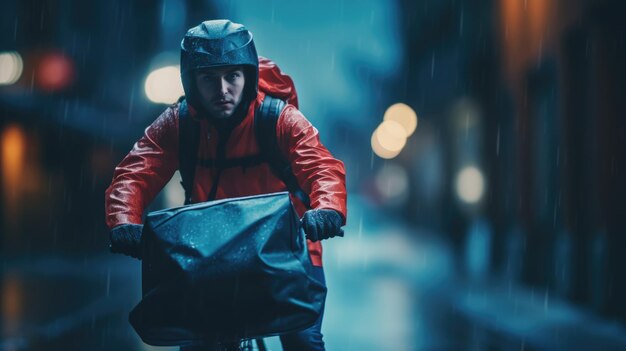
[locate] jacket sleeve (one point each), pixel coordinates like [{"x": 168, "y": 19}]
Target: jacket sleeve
[
  {"x": 143, "y": 172},
  {"x": 319, "y": 174}
]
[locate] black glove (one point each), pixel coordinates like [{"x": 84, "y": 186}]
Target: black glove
[
  {"x": 322, "y": 224},
  {"x": 126, "y": 239}
]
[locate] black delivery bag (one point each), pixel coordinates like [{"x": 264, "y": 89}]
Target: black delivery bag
[{"x": 225, "y": 270}]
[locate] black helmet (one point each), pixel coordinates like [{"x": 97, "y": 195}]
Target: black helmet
[{"x": 218, "y": 43}]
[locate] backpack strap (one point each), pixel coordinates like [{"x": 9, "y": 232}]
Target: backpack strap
[
  {"x": 188, "y": 139},
  {"x": 265, "y": 120}
]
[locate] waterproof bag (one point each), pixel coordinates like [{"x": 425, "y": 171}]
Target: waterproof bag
[{"x": 225, "y": 270}]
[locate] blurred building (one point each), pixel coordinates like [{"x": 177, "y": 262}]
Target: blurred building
[
  {"x": 532, "y": 94},
  {"x": 74, "y": 109}
]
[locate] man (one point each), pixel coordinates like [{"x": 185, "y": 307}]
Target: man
[{"x": 221, "y": 78}]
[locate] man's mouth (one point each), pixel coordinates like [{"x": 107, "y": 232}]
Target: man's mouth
[{"x": 223, "y": 102}]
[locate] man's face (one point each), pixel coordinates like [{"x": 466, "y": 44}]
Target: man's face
[{"x": 221, "y": 89}]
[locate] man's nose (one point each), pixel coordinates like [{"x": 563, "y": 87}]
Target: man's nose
[{"x": 223, "y": 85}]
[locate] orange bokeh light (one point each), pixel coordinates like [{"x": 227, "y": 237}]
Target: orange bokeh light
[
  {"x": 528, "y": 31},
  {"x": 13, "y": 154}
]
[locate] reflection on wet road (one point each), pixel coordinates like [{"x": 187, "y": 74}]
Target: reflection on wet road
[{"x": 389, "y": 289}]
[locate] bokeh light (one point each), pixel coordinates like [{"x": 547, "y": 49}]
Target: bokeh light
[
  {"x": 13, "y": 143},
  {"x": 163, "y": 85},
  {"x": 388, "y": 139},
  {"x": 392, "y": 183},
  {"x": 470, "y": 184},
  {"x": 391, "y": 136},
  {"x": 404, "y": 115},
  {"x": 55, "y": 72},
  {"x": 380, "y": 151},
  {"x": 11, "y": 67}
]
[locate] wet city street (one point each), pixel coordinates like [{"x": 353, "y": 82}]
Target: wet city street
[
  {"x": 390, "y": 288},
  {"x": 481, "y": 147}
]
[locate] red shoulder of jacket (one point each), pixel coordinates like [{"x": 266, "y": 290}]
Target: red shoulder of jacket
[
  {"x": 144, "y": 171},
  {"x": 318, "y": 172}
]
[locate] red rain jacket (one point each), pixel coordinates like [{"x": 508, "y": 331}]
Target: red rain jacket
[{"x": 154, "y": 159}]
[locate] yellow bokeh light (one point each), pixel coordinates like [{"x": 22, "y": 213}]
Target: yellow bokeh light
[
  {"x": 391, "y": 136},
  {"x": 379, "y": 150},
  {"x": 163, "y": 85},
  {"x": 404, "y": 115},
  {"x": 470, "y": 184},
  {"x": 11, "y": 67}
]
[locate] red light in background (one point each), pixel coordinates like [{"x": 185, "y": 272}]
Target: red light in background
[{"x": 55, "y": 72}]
